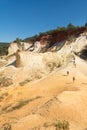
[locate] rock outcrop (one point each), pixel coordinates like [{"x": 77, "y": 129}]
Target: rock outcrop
[
  {"x": 24, "y": 46},
  {"x": 64, "y": 52},
  {"x": 12, "y": 48},
  {"x": 45, "y": 61},
  {"x": 15, "y": 46},
  {"x": 39, "y": 47}
]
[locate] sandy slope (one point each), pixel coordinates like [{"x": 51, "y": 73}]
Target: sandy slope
[{"x": 55, "y": 97}]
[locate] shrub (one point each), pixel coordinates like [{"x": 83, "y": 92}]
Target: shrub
[
  {"x": 4, "y": 48},
  {"x": 62, "y": 125},
  {"x": 25, "y": 82},
  {"x": 86, "y": 24},
  {"x": 3, "y": 95},
  {"x": 5, "y": 81},
  {"x": 52, "y": 65},
  {"x": 18, "y": 105},
  {"x": 70, "y": 26},
  {"x": 6, "y": 126}
]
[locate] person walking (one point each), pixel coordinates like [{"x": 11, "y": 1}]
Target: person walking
[
  {"x": 67, "y": 73},
  {"x": 73, "y": 79}
]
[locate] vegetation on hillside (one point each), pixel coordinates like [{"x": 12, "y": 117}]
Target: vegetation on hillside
[
  {"x": 70, "y": 27},
  {"x": 4, "y": 48},
  {"x": 58, "y": 32}
]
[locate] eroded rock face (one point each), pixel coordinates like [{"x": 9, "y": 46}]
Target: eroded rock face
[
  {"x": 38, "y": 47},
  {"x": 45, "y": 61},
  {"x": 13, "y": 48},
  {"x": 24, "y": 46},
  {"x": 72, "y": 47}
]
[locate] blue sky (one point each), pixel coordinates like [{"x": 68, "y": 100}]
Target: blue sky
[{"x": 25, "y": 18}]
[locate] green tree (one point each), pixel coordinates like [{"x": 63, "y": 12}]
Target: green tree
[
  {"x": 70, "y": 26},
  {"x": 86, "y": 25},
  {"x": 18, "y": 41},
  {"x": 61, "y": 28}
]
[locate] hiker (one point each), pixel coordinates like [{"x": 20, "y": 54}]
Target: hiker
[
  {"x": 73, "y": 79},
  {"x": 67, "y": 72}
]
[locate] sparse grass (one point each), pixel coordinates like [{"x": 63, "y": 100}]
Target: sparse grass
[
  {"x": 1, "y": 98},
  {"x": 57, "y": 125},
  {"x": 34, "y": 77},
  {"x": 6, "y": 126},
  {"x": 37, "y": 75},
  {"x": 22, "y": 103},
  {"x": 47, "y": 124},
  {"x": 18, "y": 105},
  {"x": 5, "y": 81},
  {"x": 53, "y": 65},
  {"x": 3, "y": 95},
  {"x": 62, "y": 125},
  {"x": 5, "y": 108},
  {"x": 25, "y": 82}
]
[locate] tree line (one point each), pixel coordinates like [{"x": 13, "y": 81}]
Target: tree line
[{"x": 70, "y": 26}]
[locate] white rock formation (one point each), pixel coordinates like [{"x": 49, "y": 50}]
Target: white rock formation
[
  {"x": 24, "y": 46},
  {"x": 67, "y": 51},
  {"x": 80, "y": 43},
  {"x": 50, "y": 59},
  {"x": 37, "y": 46},
  {"x": 41, "y": 61},
  {"x": 13, "y": 48}
]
